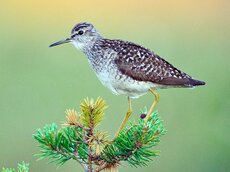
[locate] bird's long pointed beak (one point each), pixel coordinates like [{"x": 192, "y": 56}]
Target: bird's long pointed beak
[{"x": 61, "y": 42}]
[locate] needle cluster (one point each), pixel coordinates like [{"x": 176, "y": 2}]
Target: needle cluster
[
  {"x": 22, "y": 167},
  {"x": 79, "y": 140}
]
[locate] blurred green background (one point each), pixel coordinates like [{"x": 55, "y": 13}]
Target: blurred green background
[{"x": 37, "y": 83}]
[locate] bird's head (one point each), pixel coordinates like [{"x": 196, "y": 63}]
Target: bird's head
[{"x": 83, "y": 35}]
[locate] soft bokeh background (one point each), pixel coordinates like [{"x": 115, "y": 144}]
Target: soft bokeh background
[{"x": 37, "y": 83}]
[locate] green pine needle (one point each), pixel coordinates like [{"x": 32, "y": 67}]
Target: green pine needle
[
  {"x": 23, "y": 167},
  {"x": 135, "y": 141},
  {"x": 61, "y": 145}
]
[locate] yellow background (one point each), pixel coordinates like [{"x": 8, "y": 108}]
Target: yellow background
[{"x": 38, "y": 83}]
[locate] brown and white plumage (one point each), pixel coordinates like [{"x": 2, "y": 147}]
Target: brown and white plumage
[
  {"x": 142, "y": 64},
  {"x": 124, "y": 67},
  {"x": 127, "y": 68}
]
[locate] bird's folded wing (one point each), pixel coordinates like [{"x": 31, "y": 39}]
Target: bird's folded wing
[{"x": 150, "y": 67}]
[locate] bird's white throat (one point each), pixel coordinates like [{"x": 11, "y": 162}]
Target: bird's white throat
[{"x": 78, "y": 45}]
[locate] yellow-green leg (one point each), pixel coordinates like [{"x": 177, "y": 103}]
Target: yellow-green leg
[
  {"x": 157, "y": 97},
  {"x": 129, "y": 112}
]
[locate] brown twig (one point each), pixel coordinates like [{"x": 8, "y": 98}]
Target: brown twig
[
  {"x": 90, "y": 134},
  {"x": 100, "y": 168}
]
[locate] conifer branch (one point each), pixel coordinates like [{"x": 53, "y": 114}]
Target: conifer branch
[
  {"x": 22, "y": 167},
  {"x": 79, "y": 140}
]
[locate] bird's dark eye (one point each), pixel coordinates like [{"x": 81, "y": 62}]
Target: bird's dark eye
[{"x": 80, "y": 32}]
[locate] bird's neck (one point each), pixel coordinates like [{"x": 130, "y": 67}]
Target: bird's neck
[
  {"x": 92, "y": 47},
  {"x": 96, "y": 55}
]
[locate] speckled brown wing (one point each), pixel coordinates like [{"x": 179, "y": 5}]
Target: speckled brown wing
[{"x": 141, "y": 64}]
